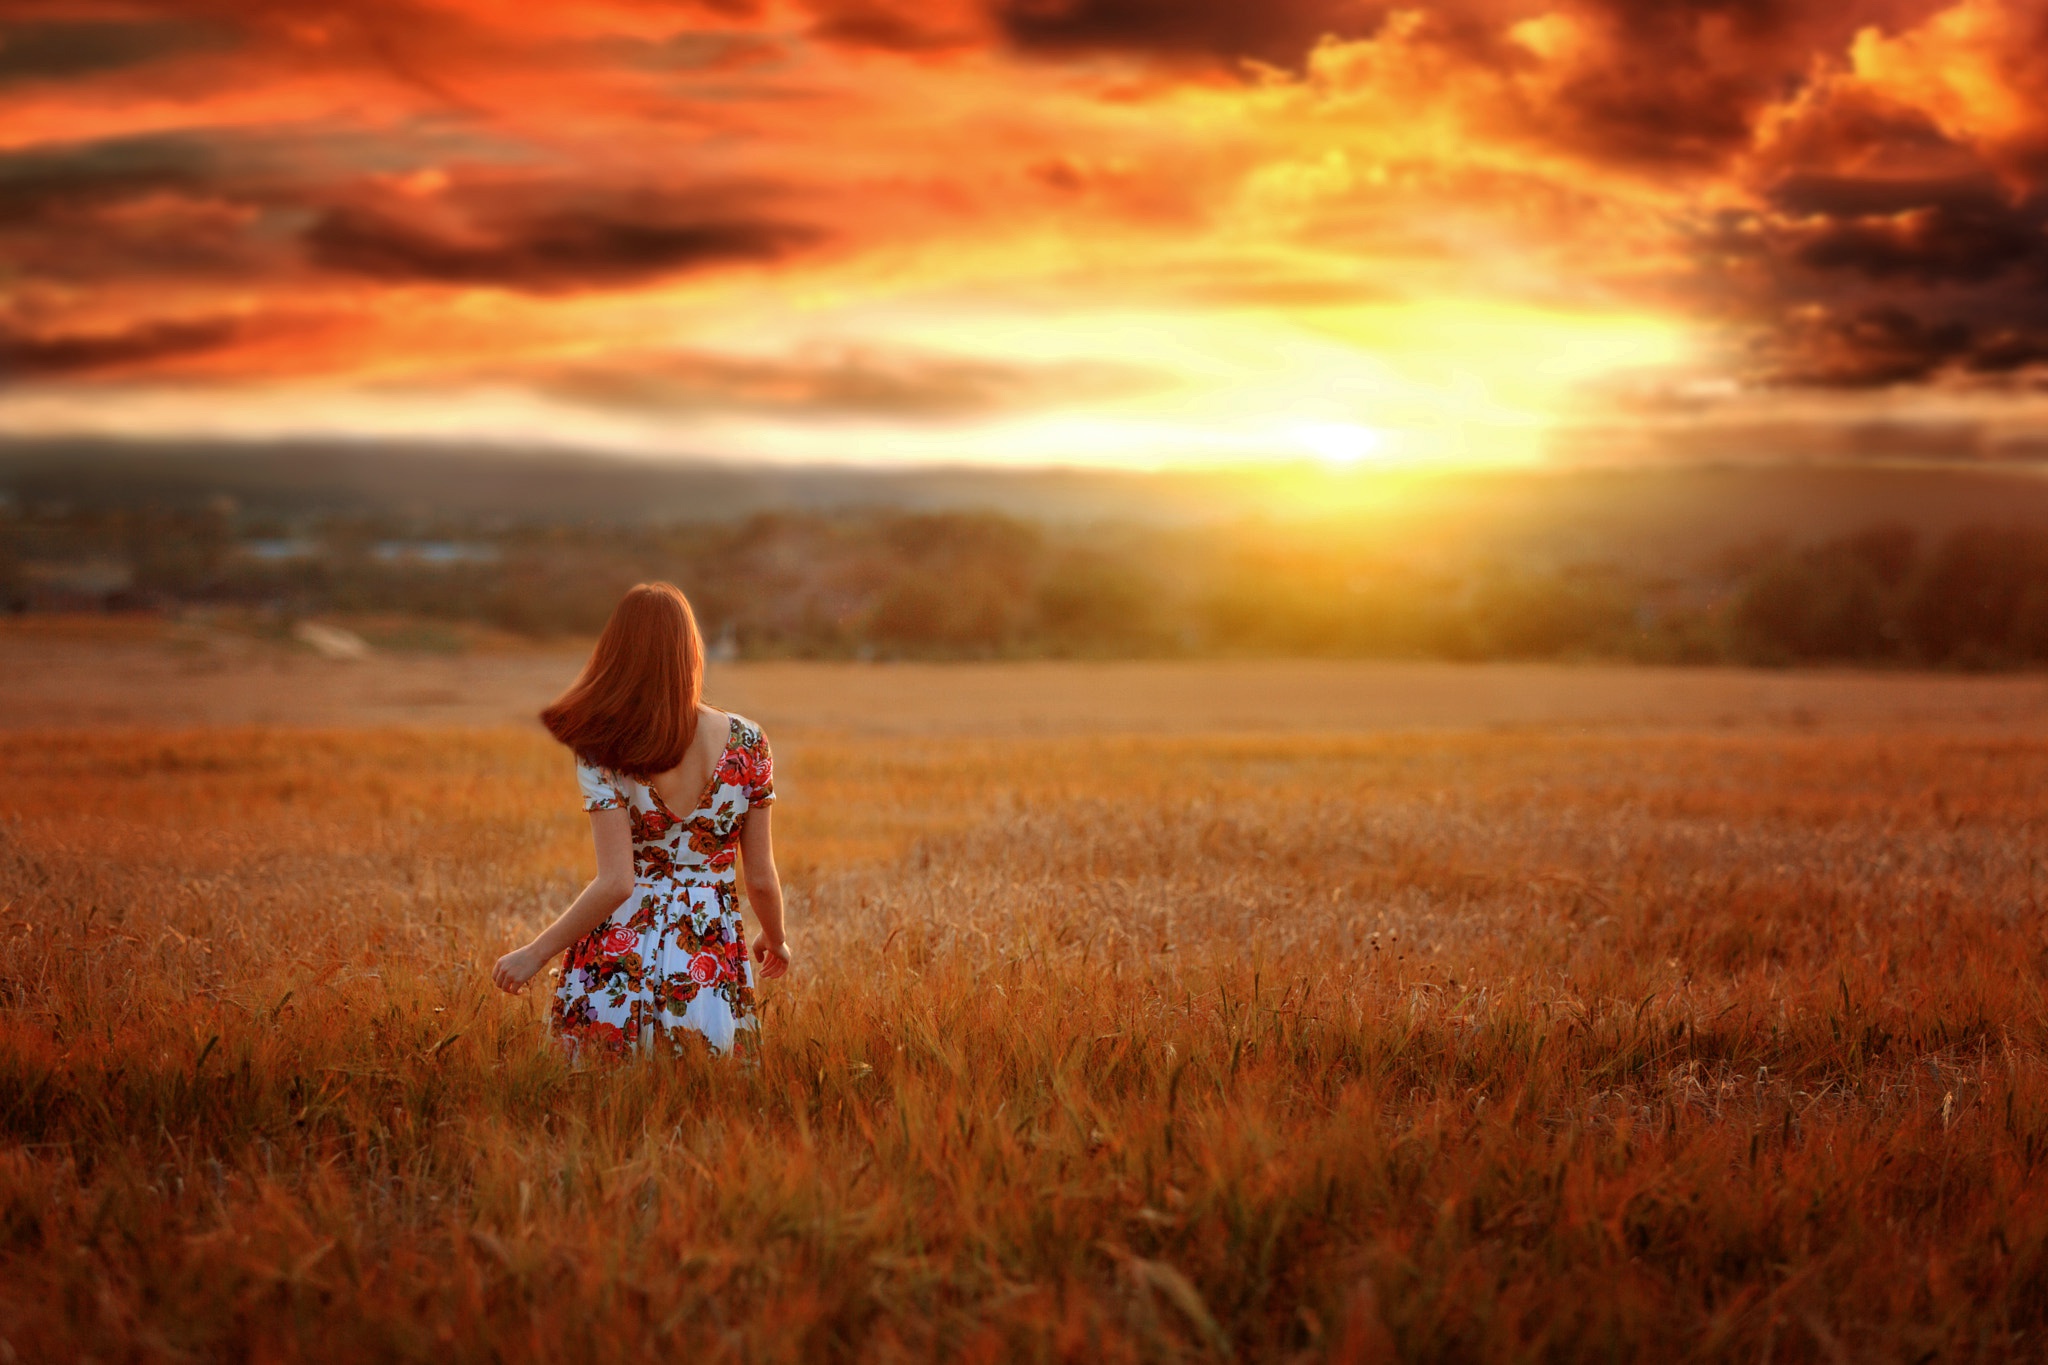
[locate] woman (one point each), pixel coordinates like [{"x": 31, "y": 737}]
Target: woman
[{"x": 655, "y": 942}]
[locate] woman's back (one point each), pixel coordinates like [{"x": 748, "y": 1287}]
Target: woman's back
[
  {"x": 673, "y": 956},
  {"x": 671, "y": 839},
  {"x": 655, "y": 947}
]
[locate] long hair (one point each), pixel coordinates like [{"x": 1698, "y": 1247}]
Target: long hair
[{"x": 633, "y": 708}]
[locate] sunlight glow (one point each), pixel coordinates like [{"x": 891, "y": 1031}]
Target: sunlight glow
[
  {"x": 1340, "y": 445},
  {"x": 1371, "y": 388}
]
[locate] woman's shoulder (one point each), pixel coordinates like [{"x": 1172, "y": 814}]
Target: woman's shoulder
[
  {"x": 588, "y": 766},
  {"x": 603, "y": 786},
  {"x": 749, "y": 761}
]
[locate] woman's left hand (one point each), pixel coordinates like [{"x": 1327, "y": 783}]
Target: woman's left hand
[
  {"x": 773, "y": 955},
  {"x": 515, "y": 969}
]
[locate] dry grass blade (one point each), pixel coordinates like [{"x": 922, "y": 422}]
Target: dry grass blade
[{"x": 1185, "y": 1298}]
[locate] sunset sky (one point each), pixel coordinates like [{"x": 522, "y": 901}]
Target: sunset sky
[{"x": 1035, "y": 231}]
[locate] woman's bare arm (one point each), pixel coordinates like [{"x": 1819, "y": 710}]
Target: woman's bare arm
[
  {"x": 613, "y": 836},
  {"x": 764, "y": 891}
]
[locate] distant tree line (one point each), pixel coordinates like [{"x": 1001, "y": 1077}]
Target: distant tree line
[
  {"x": 885, "y": 584},
  {"x": 1978, "y": 599}
]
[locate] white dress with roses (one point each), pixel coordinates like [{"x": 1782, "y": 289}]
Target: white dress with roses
[{"x": 670, "y": 964}]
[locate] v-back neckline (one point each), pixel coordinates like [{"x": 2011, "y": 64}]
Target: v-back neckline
[{"x": 732, "y": 729}]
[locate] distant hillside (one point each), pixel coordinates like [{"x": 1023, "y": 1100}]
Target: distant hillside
[
  {"x": 1672, "y": 517},
  {"x": 525, "y": 485},
  {"x": 1873, "y": 564}
]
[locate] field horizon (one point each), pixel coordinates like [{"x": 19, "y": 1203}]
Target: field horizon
[{"x": 84, "y": 671}]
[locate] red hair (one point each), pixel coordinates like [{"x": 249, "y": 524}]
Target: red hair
[{"x": 633, "y": 708}]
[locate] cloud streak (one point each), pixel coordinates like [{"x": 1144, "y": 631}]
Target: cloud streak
[
  {"x": 858, "y": 382},
  {"x": 546, "y": 253},
  {"x": 26, "y": 354}
]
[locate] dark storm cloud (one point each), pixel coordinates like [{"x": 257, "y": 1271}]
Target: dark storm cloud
[
  {"x": 1682, "y": 83},
  {"x": 46, "y": 181},
  {"x": 546, "y": 252},
  {"x": 1879, "y": 278},
  {"x": 1690, "y": 118},
  {"x": 29, "y": 354},
  {"x": 1842, "y": 195},
  {"x": 2009, "y": 350},
  {"x": 1921, "y": 232},
  {"x": 1665, "y": 91},
  {"x": 910, "y": 26},
  {"x": 1934, "y": 245},
  {"x": 1280, "y": 32},
  {"x": 176, "y": 209},
  {"x": 1884, "y": 247},
  {"x": 1869, "y": 349},
  {"x": 53, "y": 51},
  {"x": 1845, "y": 135},
  {"x": 1882, "y": 346},
  {"x": 1673, "y": 83}
]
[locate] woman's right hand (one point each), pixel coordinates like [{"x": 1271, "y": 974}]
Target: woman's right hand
[
  {"x": 516, "y": 968},
  {"x": 773, "y": 957}
]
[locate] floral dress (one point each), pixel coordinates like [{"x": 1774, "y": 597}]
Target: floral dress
[{"x": 671, "y": 960}]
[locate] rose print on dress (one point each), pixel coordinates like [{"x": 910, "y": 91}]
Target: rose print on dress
[
  {"x": 653, "y": 862},
  {"x": 651, "y": 825},
  {"x": 706, "y": 838},
  {"x": 676, "y": 972}
]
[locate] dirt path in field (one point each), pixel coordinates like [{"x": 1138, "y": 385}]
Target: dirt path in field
[{"x": 56, "y": 674}]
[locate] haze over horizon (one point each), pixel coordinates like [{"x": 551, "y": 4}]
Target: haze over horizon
[{"x": 1024, "y": 232}]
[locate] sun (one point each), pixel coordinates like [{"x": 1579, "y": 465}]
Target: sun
[{"x": 1339, "y": 445}]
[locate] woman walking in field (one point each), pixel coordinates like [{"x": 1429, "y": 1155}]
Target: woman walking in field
[{"x": 655, "y": 945}]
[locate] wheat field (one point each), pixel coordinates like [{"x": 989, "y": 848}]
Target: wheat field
[{"x": 1441, "y": 1046}]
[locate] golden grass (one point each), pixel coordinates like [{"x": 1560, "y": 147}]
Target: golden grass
[
  {"x": 1470, "y": 1047},
  {"x": 96, "y": 672}
]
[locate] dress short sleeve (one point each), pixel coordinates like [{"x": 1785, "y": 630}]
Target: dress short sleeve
[
  {"x": 600, "y": 788},
  {"x": 760, "y": 770}
]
